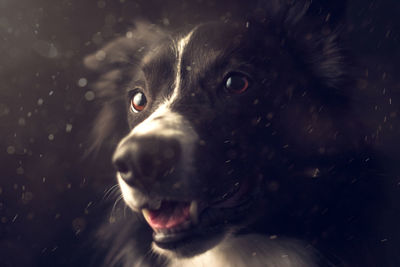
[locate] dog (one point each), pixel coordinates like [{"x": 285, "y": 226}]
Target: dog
[{"x": 243, "y": 148}]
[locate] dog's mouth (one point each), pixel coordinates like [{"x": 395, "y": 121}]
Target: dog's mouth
[{"x": 174, "y": 221}]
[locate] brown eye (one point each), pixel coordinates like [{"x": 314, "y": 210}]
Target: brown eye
[
  {"x": 236, "y": 83},
  {"x": 138, "y": 102}
]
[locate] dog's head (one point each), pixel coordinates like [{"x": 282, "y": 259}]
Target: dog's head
[{"x": 228, "y": 122}]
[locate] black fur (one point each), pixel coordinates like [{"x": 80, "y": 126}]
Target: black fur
[{"x": 292, "y": 136}]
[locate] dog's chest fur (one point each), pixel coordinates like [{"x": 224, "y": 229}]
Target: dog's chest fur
[{"x": 253, "y": 250}]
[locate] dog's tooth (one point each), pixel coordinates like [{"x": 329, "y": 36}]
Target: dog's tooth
[
  {"x": 194, "y": 211},
  {"x": 146, "y": 214}
]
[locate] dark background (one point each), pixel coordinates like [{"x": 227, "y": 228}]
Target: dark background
[{"x": 51, "y": 193}]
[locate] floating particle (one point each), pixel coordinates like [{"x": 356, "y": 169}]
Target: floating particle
[
  {"x": 165, "y": 21},
  {"x": 68, "y": 127},
  {"x": 20, "y": 170},
  {"x": 78, "y": 224},
  {"x": 30, "y": 216},
  {"x": 82, "y": 82},
  {"x": 129, "y": 35},
  {"x": 21, "y": 122},
  {"x": 45, "y": 49},
  {"x": 89, "y": 96},
  {"x": 27, "y": 196},
  {"x": 51, "y": 137},
  {"x": 110, "y": 20},
  {"x": 101, "y": 4},
  {"x": 51, "y": 93},
  {"x": 4, "y": 110},
  {"x": 11, "y": 150},
  {"x": 40, "y": 101}
]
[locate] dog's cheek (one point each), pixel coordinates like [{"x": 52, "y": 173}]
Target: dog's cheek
[
  {"x": 316, "y": 130},
  {"x": 224, "y": 155}
]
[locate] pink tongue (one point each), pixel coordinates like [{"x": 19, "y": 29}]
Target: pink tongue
[{"x": 169, "y": 215}]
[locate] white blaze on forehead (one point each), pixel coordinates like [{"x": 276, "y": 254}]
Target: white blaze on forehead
[
  {"x": 181, "y": 45},
  {"x": 171, "y": 123}
]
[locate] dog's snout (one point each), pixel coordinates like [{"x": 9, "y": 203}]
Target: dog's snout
[{"x": 142, "y": 161}]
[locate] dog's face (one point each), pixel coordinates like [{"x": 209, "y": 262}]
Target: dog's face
[{"x": 223, "y": 120}]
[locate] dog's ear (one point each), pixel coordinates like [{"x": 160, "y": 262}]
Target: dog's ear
[
  {"x": 126, "y": 50},
  {"x": 290, "y": 12},
  {"x": 312, "y": 30},
  {"x": 282, "y": 12}
]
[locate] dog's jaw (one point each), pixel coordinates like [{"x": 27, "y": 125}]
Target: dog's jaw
[{"x": 250, "y": 250}]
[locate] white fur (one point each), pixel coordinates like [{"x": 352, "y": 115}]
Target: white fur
[{"x": 252, "y": 251}]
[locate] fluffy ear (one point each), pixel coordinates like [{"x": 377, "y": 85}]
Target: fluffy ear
[
  {"x": 290, "y": 12},
  {"x": 282, "y": 12},
  {"x": 311, "y": 29},
  {"x": 127, "y": 50}
]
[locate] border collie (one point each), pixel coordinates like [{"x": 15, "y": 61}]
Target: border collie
[{"x": 243, "y": 147}]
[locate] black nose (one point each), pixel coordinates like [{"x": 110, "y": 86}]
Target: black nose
[{"x": 142, "y": 161}]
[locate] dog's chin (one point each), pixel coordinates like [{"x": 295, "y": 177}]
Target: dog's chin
[{"x": 189, "y": 246}]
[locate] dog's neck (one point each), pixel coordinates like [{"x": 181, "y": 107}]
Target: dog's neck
[{"x": 254, "y": 251}]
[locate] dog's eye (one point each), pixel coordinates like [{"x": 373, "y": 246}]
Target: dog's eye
[
  {"x": 236, "y": 83},
  {"x": 138, "y": 102}
]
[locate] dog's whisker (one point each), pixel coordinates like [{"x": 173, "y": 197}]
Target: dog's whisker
[
  {"x": 113, "y": 210},
  {"x": 113, "y": 189},
  {"x": 125, "y": 207}
]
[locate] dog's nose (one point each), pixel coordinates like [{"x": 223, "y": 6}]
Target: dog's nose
[{"x": 142, "y": 161}]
